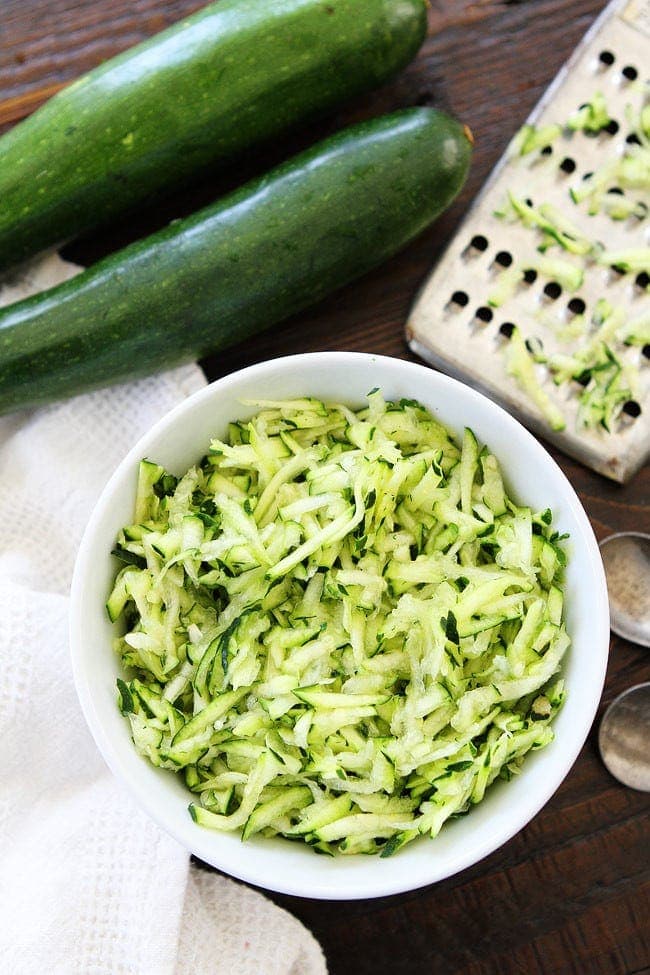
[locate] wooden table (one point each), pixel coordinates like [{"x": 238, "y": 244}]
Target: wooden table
[{"x": 571, "y": 892}]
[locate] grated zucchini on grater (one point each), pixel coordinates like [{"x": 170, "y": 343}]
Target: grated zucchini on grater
[{"x": 542, "y": 299}]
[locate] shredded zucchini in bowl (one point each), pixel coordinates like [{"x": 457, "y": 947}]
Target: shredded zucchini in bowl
[{"x": 338, "y": 626}]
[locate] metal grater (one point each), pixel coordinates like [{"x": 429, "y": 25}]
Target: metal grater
[{"x": 451, "y": 324}]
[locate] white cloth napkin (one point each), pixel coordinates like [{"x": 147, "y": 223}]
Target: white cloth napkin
[{"x": 88, "y": 884}]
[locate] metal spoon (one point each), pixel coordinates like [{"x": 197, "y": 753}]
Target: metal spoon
[
  {"x": 625, "y": 729},
  {"x": 624, "y": 735},
  {"x": 626, "y": 557}
]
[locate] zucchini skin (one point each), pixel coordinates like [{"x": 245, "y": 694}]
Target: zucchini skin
[
  {"x": 232, "y": 75},
  {"x": 271, "y": 248}
]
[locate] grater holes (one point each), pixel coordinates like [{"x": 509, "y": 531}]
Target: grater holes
[
  {"x": 630, "y": 73},
  {"x": 534, "y": 345},
  {"x": 611, "y": 128},
  {"x": 606, "y": 58},
  {"x": 577, "y": 306},
  {"x": 563, "y": 323},
  {"x": 459, "y": 298},
  {"x": 632, "y": 409},
  {"x": 477, "y": 246},
  {"x": 503, "y": 259},
  {"x": 546, "y": 151},
  {"x": 484, "y": 314},
  {"x": 633, "y": 140},
  {"x": 642, "y": 280},
  {"x": 552, "y": 290},
  {"x": 626, "y": 419}
]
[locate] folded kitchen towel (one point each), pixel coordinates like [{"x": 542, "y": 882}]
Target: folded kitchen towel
[{"x": 88, "y": 884}]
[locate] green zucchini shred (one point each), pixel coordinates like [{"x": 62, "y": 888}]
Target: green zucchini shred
[
  {"x": 591, "y": 117},
  {"x": 340, "y": 628},
  {"x": 530, "y": 138}
]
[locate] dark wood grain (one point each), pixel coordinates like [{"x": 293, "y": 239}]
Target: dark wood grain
[{"x": 570, "y": 894}]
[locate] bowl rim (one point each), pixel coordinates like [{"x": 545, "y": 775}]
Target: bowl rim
[{"x": 346, "y": 888}]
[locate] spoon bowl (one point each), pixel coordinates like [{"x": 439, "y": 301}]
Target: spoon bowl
[
  {"x": 623, "y": 737},
  {"x": 626, "y": 557}
]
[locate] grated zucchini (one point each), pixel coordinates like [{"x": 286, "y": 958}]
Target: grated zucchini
[{"x": 353, "y": 648}]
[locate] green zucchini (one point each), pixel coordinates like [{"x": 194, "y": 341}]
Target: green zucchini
[
  {"x": 230, "y": 76},
  {"x": 267, "y": 250}
]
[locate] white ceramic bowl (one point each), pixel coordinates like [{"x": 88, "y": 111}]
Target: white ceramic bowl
[{"x": 178, "y": 441}]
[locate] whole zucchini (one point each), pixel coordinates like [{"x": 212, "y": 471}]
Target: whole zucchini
[
  {"x": 267, "y": 250},
  {"x": 230, "y": 76}
]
